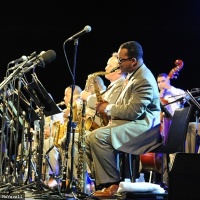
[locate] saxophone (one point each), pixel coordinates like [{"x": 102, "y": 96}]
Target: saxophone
[
  {"x": 89, "y": 123},
  {"x": 81, "y": 165},
  {"x": 59, "y": 131}
]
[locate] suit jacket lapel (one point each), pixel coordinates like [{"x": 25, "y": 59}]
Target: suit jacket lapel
[{"x": 121, "y": 97}]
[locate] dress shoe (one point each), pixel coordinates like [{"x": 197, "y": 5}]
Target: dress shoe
[{"x": 106, "y": 192}]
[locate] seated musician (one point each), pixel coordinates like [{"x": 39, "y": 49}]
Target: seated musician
[
  {"x": 136, "y": 111},
  {"x": 171, "y": 98}
]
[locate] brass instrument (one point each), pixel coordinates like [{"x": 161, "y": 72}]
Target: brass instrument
[
  {"x": 62, "y": 103},
  {"x": 59, "y": 131},
  {"x": 74, "y": 111},
  {"x": 58, "y": 104},
  {"x": 90, "y": 124},
  {"x": 81, "y": 166}
]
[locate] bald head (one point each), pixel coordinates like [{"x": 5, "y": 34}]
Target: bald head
[{"x": 68, "y": 91}]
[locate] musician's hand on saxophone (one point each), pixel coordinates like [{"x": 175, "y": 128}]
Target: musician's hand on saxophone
[
  {"x": 101, "y": 106},
  {"x": 66, "y": 113}
]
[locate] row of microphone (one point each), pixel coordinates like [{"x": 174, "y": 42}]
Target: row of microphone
[{"x": 33, "y": 60}]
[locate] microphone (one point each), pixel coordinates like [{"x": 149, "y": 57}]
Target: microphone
[
  {"x": 47, "y": 56},
  {"x": 41, "y": 60},
  {"x": 86, "y": 29},
  {"x": 23, "y": 58}
]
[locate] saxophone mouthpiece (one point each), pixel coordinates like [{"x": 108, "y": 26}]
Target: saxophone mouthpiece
[{"x": 115, "y": 69}]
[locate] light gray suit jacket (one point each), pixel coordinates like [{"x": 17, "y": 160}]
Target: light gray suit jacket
[{"x": 136, "y": 114}]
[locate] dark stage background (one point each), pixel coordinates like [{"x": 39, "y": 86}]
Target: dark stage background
[{"x": 168, "y": 30}]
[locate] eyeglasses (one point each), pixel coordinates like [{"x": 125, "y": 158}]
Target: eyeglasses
[{"x": 120, "y": 60}]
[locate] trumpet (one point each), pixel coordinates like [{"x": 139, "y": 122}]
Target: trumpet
[{"x": 58, "y": 104}]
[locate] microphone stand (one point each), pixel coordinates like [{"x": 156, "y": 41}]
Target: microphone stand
[
  {"x": 15, "y": 178},
  {"x": 71, "y": 182},
  {"x": 2, "y": 131},
  {"x": 29, "y": 142},
  {"x": 22, "y": 156},
  {"x": 3, "y": 86},
  {"x": 38, "y": 179}
]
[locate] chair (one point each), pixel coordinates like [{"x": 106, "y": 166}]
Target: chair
[
  {"x": 174, "y": 144},
  {"x": 177, "y": 133}
]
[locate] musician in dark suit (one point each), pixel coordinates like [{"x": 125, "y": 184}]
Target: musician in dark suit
[{"x": 133, "y": 120}]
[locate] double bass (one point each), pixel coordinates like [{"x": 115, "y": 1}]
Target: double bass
[{"x": 153, "y": 161}]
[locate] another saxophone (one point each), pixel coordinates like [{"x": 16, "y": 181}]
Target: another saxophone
[
  {"x": 81, "y": 166},
  {"x": 59, "y": 131},
  {"x": 89, "y": 123}
]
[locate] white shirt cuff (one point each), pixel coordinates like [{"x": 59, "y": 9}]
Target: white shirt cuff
[{"x": 108, "y": 109}]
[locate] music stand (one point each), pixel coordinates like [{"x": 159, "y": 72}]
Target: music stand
[
  {"x": 30, "y": 114},
  {"x": 41, "y": 97},
  {"x": 47, "y": 107}
]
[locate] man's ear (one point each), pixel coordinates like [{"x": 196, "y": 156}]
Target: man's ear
[{"x": 134, "y": 62}]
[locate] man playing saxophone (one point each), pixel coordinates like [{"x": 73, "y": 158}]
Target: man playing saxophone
[
  {"x": 76, "y": 115},
  {"x": 116, "y": 78}
]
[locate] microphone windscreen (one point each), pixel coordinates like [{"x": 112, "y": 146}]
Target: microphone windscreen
[
  {"x": 87, "y": 29},
  {"x": 48, "y": 56}
]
